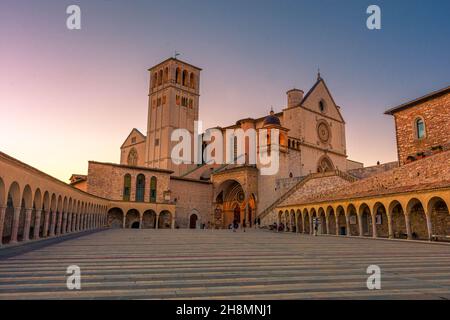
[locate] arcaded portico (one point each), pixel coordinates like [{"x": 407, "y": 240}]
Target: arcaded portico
[
  {"x": 34, "y": 205},
  {"x": 419, "y": 216}
]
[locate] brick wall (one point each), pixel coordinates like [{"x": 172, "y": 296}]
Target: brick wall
[{"x": 436, "y": 114}]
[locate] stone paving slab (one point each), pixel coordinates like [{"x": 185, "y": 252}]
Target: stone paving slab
[{"x": 220, "y": 264}]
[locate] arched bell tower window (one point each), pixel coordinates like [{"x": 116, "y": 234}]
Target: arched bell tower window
[
  {"x": 132, "y": 157},
  {"x": 322, "y": 106},
  {"x": 420, "y": 128}
]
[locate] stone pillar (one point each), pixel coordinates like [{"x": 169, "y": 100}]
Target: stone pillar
[
  {"x": 390, "y": 228},
  {"x": 15, "y": 226},
  {"x": 347, "y": 222},
  {"x": 360, "y": 226},
  {"x": 173, "y": 221},
  {"x": 327, "y": 224},
  {"x": 429, "y": 226},
  {"x": 408, "y": 227},
  {"x": 59, "y": 223},
  {"x": 46, "y": 222},
  {"x": 26, "y": 228},
  {"x": 374, "y": 226},
  {"x": 37, "y": 224},
  {"x": 2, "y": 222},
  {"x": 64, "y": 223},
  {"x": 124, "y": 221},
  {"x": 140, "y": 221},
  {"x": 157, "y": 221},
  {"x": 337, "y": 224},
  {"x": 296, "y": 223}
]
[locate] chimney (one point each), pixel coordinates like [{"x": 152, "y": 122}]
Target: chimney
[{"x": 294, "y": 97}]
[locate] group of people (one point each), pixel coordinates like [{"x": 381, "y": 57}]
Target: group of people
[{"x": 235, "y": 224}]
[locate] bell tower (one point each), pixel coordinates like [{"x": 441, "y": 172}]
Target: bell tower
[{"x": 173, "y": 104}]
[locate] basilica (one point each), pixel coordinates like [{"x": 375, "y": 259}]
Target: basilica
[
  {"x": 312, "y": 139},
  {"x": 317, "y": 189}
]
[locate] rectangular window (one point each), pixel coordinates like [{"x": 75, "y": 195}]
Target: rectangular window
[
  {"x": 159, "y": 102},
  {"x": 156, "y": 142},
  {"x": 133, "y": 140}
]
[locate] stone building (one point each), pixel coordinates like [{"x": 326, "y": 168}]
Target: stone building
[
  {"x": 408, "y": 199},
  {"x": 315, "y": 186},
  {"x": 312, "y": 139}
]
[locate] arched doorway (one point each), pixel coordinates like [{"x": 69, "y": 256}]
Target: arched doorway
[
  {"x": 381, "y": 220},
  {"x": 417, "y": 220},
  {"x": 149, "y": 219},
  {"x": 440, "y": 219},
  {"x": 366, "y": 221},
  {"x": 353, "y": 220},
  {"x": 237, "y": 214},
  {"x": 165, "y": 220},
  {"x": 341, "y": 221},
  {"x": 115, "y": 218},
  {"x": 231, "y": 198},
  {"x": 193, "y": 221},
  {"x": 131, "y": 218},
  {"x": 398, "y": 221}
]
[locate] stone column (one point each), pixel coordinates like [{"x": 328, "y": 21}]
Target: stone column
[
  {"x": 408, "y": 227},
  {"x": 2, "y": 222},
  {"x": 173, "y": 221},
  {"x": 37, "y": 224},
  {"x": 327, "y": 224},
  {"x": 46, "y": 222},
  {"x": 59, "y": 223},
  {"x": 337, "y": 224},
  {"x": 374, "y": 226},
  {"x": 26, "y": 228},
  {"x": 296, "y": 223},
  {"x": 347, "y": 222},
  {"x": 157, "y": 221},
  {"x": 64, "y": 223},
  {"x": 140, "y": 221},
  {"x": 124, "y": 221},
  {"x": 15, "y": 226},
  {"x": 360, "y": 226},
  {"x": 390, "y": 228},
  {"x": 429, "y": 226}
]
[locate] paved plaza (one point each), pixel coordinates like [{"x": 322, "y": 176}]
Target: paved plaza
[{"x": 220, "y": 264}]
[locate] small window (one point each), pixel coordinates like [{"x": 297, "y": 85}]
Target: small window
[
  {"x": 322, "y": 106},
  {"x": 156, "y": 142},
  {"x": 133, "y": 140},
  {"x": 420, "y": 128}
]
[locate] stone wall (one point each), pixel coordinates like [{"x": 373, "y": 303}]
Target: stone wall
[
  {"x": 436, "y": 114},
  {"x": 191, "y": 197},
  {"x": 107, "y": 181},
  {"x": 363, "y": 173}
]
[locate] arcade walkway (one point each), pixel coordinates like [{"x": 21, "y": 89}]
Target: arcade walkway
[{"x": 211, "y": 264}]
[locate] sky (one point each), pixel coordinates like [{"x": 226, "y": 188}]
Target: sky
[{"x": 70, "y": 96}]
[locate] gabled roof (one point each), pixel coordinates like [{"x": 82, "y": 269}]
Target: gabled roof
[
  {"x": 134, "y": 130},
  {"x": 321, "y": 80},
  {"x": 414, "y": 102}
]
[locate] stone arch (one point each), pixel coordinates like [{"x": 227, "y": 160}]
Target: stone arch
[
  {"x": 331, "y": 220},
  {"x": 292, "y": 221},
  {"x": 35, "y": 227},
  {"x": 322, "y": 221},
  {"x": 341, "y": 221},
  {"x": 149, "y": 219},
  {"x": 184, "y": 80},
  {"x": 353, "y": 220},
  {"x": 165, "y": 220},
  {"x": 13, "y": 201},
  {"x": 115, "y": 218},
  {"x": 192, "y": 80},
  {"x": 365, "y": 220},
  {"x": 325, "y": 164},
  {"x": 132, "y": 219},
  {"x": 438, "y": 210},
  {"x": 397, "y": 218},
  {"x": 380, "y": 218},
  {"x": 417, "y": 219},
  {"x": 299, "y": 221},
  {"x": 194, "y": 219},
  {"x": 307, "y": 223}
]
